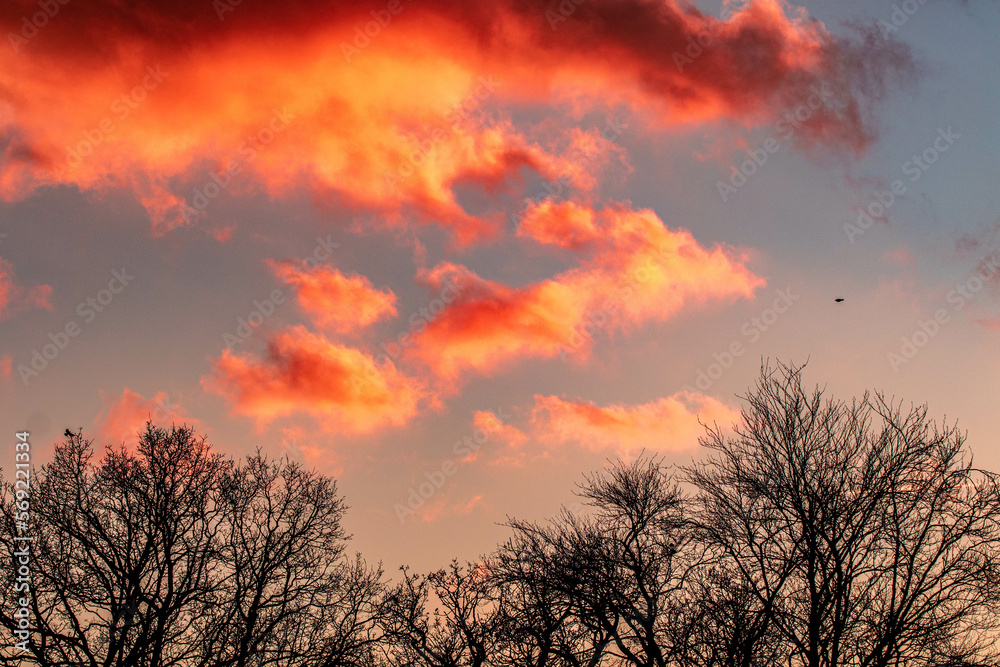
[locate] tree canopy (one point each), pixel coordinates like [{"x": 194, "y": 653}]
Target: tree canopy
[{"x": 814, "y": 533}]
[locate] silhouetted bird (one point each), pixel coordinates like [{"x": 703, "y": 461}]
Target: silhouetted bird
[{"x": 838, "y": 300}]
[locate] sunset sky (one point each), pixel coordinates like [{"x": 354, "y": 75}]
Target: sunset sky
[{"x": 459, "y": 254}]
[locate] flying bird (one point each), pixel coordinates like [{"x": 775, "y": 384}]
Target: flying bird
[{"x": 838, "y": 300}]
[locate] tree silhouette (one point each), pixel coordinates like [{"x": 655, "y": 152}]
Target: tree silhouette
[
  {"x": 173, "y": 555},
  {"x": 464, "y": 629},
  {"x": 624, "y": 567},
  {"x": 861, "y": 532},
  {"x": 817, "y": 533}
]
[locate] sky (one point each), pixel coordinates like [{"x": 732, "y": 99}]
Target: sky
[{"x": 460, "y": 255}]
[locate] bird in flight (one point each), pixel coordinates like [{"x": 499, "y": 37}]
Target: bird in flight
[{"x": 838, "y": 300}]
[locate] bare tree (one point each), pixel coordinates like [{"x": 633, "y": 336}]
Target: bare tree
[
  {"x": 121, "y": 550},
  {"x": 461, "y": 631},
  {"x": 624, "y": 569},
  {"x": 542, "y": 627},
  {"x": 821, "y": 534},
  {"x": 724, "y": 625},
  {"x": 173, "y": 555},
  {"x": 288, "y": 596},
  {"x": 862, "y": 533}
]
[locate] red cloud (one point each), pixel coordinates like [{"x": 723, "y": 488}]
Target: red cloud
[
  {"x": 640, "y": 272},
  {"x": 491, "y": 323},
  {"x": 340, "y": 386},
  {"x": 125, "y": 416},
  {"x": 223, "y": 234},
  {"x": 666, "y": 424},
  {"x": 336, "y": 302},
  {"x": 183, "y": 106},
  {"x": 14, "y": 298}
]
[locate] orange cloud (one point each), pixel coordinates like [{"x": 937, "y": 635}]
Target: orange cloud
[
  {"x": 509, "y": 439},
  {"x": 639, "y": 272},
  {"x": 342, "y": 387},
  {"x": 564, "y": 224},
  {"x": 431, "y": 512},
  {"x": 5, "y": 365},
  {"x": 303, "y": 446},
  {"x": 336, "y": 302},
  {"x": 182, "y": 107},
  {"x": 496, "y": 430},
  {"x": 14, "y": 298},
  {"x": 123, "y": 417},
  {"x": 668, "y": 424}
]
